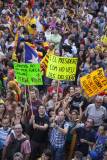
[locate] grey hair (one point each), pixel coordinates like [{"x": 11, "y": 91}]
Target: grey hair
[{"x": 99, "y": 97}]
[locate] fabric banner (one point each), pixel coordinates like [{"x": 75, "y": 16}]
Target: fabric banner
[
  {"x": 94, "y": 83},
  {"x": 61, "y": 68},
  {"x": 28, "y": 74}
]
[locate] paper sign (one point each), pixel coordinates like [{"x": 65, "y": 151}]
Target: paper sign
[
  {"x": 94, "y": 83},
  {"x": 61, "y": 68},
  {"x": 28, "y": 74}
]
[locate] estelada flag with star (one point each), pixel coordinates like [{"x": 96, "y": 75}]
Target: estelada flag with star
[{"x": 31, "y": 56}]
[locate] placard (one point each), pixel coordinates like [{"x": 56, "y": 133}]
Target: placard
[
  {"x": 61, "y": 68},
  {"x": 28, "y": 73},
  {"x": 94, "y": 83}
]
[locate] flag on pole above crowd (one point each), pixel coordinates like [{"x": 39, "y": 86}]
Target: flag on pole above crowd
[{"x": 31, "y": 56}]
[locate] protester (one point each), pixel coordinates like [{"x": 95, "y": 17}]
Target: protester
[
  {"x": 86, "y": 137},
  {"x": 16, "y": 142},
  {"x": 57, "y": 136},
  {"x": 97, "y": 112},
  {"x": 39, "y": 137}
]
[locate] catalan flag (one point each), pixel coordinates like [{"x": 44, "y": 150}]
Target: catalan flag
[
  {"x": 44, "y": 61},
  {"x": 31, "y": 56}
]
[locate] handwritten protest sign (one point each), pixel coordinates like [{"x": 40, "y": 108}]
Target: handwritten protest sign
[
  {"x": 28, "y": 74},
  {"x": 94, "y": 83},
  {"x": 61, "y": 68}
]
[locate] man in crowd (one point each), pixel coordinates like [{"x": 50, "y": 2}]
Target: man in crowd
[
  {"x": 58, "y": 136},
  {"x": 39, "y": 137},
  {"x": 97, "y": 112},
  {"x": 85, "y": 137},
  {"x": 16, "y": 142}
]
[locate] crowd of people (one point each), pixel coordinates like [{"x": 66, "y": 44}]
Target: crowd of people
[{"x": 55, "y": 121}]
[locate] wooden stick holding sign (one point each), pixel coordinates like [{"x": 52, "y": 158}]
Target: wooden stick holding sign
[
  {"x": 58, "y": 84},
  {"x": 30, "y": 100}
]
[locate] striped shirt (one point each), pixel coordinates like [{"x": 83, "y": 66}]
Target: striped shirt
[
  {"x": 3, "y": 135},
  {"x": 57, "y": 138}
]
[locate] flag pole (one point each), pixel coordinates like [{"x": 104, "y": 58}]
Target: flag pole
[
  {"x": 58, "y": 89},
  {"x": 30, "y": 100}
]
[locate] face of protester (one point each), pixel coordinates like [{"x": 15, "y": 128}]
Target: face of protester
[
  {"x": 18, "y": 130},
  {"x": 51, "y": 46},
  {"x": 54, "y": 97},
  {"x": 6, "y": 31},
  {"x": 98, "y": 102},
  {"x": 18, "y": 112},
  {"x": 77, "y": 91},
  {"x": 74, "y": 116},
  {"x": 82, "y": 47},
  {"x": 88, "y": 60},
  {"x": 54, "y": 83},
  {"x": 101, "y": 130},
  {"x": 33, "y": 95},
  {"x": 5, "y": 123},
  {"x": 89, "y": 123},
  {"x": 61, "y": 116},
  {"x": 41, "y": 110},
  {"x": 92, "y": 54},
  {"x": 81, "y": 53},
  {"x": 71, "y": 90}
]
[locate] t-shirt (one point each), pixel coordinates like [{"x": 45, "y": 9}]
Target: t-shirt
[
  {"x": 76, "y": 102},
  {"x": 98, "y": 115},
  {"x": 88, "y": 135},
  {"x": 3, "y": 135},
  {"x": 100, "y": 144},
  {"x": 52, "y": 90},
  {"x": 40, "y": 135}
]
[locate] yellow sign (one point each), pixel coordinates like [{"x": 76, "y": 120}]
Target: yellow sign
[
  {"x": 61, "y": 68},
  {"x": 94, "y": 83}
]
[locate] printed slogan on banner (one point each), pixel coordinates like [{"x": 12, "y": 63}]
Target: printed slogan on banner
[
  {"x": 61, "y": 68},
  {"x": 94, "y": 83}
]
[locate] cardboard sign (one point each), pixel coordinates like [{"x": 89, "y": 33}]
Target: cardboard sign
[
  {"x": 94, "y": 83},
  {"x": 61, "y": 68},
  {"x": 28, "y": 73}
]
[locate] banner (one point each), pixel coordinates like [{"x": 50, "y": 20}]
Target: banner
[
  {"x": 28, "y": 74},
  {"x": 61, "y": 68},
  {"x": 94, "y": 83}
]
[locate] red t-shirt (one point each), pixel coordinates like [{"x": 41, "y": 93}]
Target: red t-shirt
[{"x": 51, "y": 90}]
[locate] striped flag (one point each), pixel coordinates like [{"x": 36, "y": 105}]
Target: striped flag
[{"x": 44, "y": 61}]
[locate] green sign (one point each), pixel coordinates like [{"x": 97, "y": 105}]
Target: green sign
[{"x": 28, "y": 73}]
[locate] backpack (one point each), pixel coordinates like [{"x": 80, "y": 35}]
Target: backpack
[{"x": 13, "y": 147}]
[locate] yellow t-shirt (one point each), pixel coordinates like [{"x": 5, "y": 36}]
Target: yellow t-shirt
[
  {"x": 29, "y": 28},
  {"x": 104, "y": 39},
  {"x": 24, "y": 20}
]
